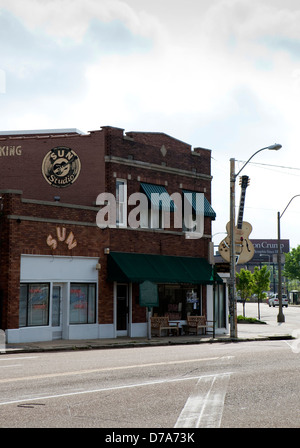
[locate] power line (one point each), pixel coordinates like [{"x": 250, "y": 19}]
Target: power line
[{"x": 268, "y": 164}]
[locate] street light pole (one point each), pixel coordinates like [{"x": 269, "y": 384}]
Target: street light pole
[
  {"x": 232, "y": 284},
  {"x": 280, "y": 316}
]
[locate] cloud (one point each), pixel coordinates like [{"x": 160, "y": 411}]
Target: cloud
[
  {"x": 71, "y": 18},
  {"x": 113, "y": 37},
  {"x": 35, "y": 62},
  {"x": 125, "y": 62},
  {"x": 223, "y": 74}
]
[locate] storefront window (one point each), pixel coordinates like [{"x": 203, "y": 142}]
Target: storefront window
[
  {"x": 34, "y": 304},
  {"x": 178, "y": 301},
  {"x": 83, "y": 303}
]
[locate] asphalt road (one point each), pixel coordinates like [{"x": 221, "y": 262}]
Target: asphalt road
[
  {"x": 222, "y": 385},
  {"x": 269, "y": 314}
]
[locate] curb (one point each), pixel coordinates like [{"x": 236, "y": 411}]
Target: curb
[{"x": 114, "y": 345}]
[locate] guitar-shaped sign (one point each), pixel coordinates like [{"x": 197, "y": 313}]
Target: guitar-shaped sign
[{"x": 244, "y": 249}]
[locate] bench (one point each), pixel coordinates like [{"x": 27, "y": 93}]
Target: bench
[
  {"x": 195, "y": 323},
  {"x": 159, "y": 324}
]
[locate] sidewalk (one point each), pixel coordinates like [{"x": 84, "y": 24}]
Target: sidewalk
[{"x": 246, "y": 332}]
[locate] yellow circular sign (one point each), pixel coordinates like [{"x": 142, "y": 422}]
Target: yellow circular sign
[{"x": 61, "y": 167}]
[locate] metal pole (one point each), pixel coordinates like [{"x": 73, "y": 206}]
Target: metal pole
[
  {"x": 280, "y": 316},
  {"x": 214, "y": 300},
  {"x": 232, "y": 296},
  {"x": 149, "y": 312}
]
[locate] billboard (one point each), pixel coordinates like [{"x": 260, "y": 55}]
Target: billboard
[{"x": 265, "y": 249}]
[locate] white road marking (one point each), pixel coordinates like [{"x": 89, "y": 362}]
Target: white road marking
[
  {"x": 105, "y": 389},
  {"x": 11, "y": 365},
  {"x": 105, "y": 369},
  {"x": 24, "y": 358},
  {"x": 204, "y": 408},
  {"x": 295, "y": 344}
]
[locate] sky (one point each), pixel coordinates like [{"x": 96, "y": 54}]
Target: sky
[{"x": 217, "y": 74}]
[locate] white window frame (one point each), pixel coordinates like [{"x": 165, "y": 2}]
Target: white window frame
[
  {"x": 121, "y": 203},
  {"x": 157, "y": 220}
]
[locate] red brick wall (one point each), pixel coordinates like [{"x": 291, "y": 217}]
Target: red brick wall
[
  {"x": 146, "y": 147},
  {"x": 156, "y": 242},
  {"x": 23, "y": 236},
  {"x": 24, "y": 171},
  {"x": 28, "y": 235}
]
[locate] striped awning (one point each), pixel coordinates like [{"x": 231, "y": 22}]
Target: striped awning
[
  {"x": 208, "y": 210},
  {"x": 159, "y": 197}
]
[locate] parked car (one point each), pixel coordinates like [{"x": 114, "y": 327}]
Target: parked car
[{"x": 274, "y": 301}]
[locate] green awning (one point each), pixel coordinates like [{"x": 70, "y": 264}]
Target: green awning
[
  {"x": 208, "y": 210},
  {"x": 158, "y": 196},
  {"x": 136, "y": 268}
]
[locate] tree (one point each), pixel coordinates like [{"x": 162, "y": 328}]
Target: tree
[
  {"x": 261, "y": 283},
  {"x": 292, "y": 264},
  {"x": 244, "y": 284}
]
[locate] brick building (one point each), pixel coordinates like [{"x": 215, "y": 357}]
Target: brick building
[{"x": 65, "y": 276}]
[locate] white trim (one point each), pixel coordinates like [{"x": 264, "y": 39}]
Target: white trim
[
  {"x": 63, "y": 270},
  {"x": 44, "y": 131},
  {"x": 57, "y": 268},
  {"x": 122, "y": 204},
  {"x": 209, "y": 305},
  {"x": 130, "y": 326}
]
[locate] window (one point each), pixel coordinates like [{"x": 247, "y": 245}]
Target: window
[
  {"x": 121, "y": 199},
  {"x": 34, "y": 304},
  {"x": 83, "y": 303},
  {"x": 193, "y": 212},
  {"x": 178, "y": 301},
  {"x": 160, "y": 204},
  {"x": 155, "y": 219}
]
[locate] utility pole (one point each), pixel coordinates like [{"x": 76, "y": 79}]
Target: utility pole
[
  {"x": 280, "y": 316},
  {"x": 232, "y": 295}
]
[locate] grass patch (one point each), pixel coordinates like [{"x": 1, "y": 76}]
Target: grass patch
[{"x": 248, "y": 320}]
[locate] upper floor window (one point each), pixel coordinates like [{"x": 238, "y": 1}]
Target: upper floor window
[
  {"x": 160, "y": 204},
  {"x": 193, "y": 213},
  {"x": 121, "y": 202}
]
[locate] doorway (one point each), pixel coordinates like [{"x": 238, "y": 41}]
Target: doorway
[{"x": 122, "y": 309}]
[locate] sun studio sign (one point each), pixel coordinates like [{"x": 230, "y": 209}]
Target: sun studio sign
[{"x": 61, "y": 167}]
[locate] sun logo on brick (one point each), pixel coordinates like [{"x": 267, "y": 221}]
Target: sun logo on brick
[
  {"x": 61, "y": 235},
  {"x": 61, "y": 167}
]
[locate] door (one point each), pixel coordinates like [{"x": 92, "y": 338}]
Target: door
[
  {"x": 122, "y": 310},
  {"x": 57, "y": 290}
]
